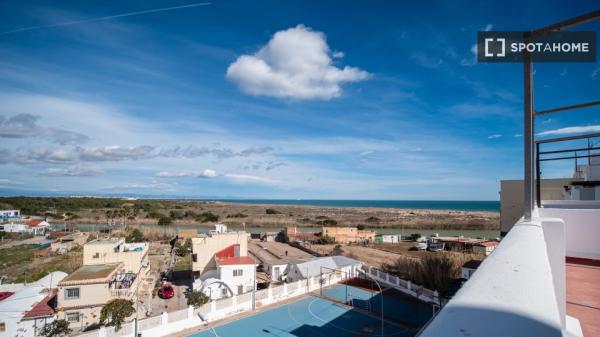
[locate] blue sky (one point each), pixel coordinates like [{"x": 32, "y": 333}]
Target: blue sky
[{"x": 274, "y": 99}]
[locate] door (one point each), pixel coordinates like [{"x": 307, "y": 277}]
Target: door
[{"x": 276, "y": 273}]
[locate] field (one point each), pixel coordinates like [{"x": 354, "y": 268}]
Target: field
[
  {"x": 19, "y": 264},
  {"x": 184, "y": 212}
]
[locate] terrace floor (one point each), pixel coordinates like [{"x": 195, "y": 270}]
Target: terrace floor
[{"x": 583, "y": 294}]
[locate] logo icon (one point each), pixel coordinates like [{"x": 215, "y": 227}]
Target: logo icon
[{"x": 489, "y": 52}]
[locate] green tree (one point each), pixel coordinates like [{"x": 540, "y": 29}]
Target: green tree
[
  {"x": 272, "y": 211},
  {"x": 57, "y": 328},
  {"x": 360, "y": 227},
  {"x": 135, "y": 236},
  {"x": 326, "y": 240},
  {"x": 196, "y": 298},
  {"x": 115, "y": 312},
  {"x": 165, "y": 221}
]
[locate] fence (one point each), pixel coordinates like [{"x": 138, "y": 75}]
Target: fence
[
  {"x": 404, "y": 286},
  {"x": 169, "y": 323},
  {"x": 191, "y": 317}
]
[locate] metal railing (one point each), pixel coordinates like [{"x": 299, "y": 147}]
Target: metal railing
[{"x": 529, "y": 113}]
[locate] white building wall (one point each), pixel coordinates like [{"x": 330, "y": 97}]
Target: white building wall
[{"x": 245, "y": 281}]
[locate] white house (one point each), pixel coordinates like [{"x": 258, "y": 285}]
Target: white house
[
  {"x": 32, "y": 306},
  {"x": 234, "y": 275},
  {"x": 35, "y": 227},
  {"x": 316, "y": 266},
  {"x": 469, "y": 268},
  {"x": 485, "y": 247},
  {"x": 389, "y": 238},
  {"x": 10, "y": 214}
]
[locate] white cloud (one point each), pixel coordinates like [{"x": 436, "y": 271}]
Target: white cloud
[
  {"x": 74, "y": 171},
  {"x": 167, "y": 174},
  {"x": 570, "y": 130},
  {"x": 494, "y": 136},
  {"x": 208, "y": 173},
  {"x": 25, "y": 125},
  {"x": 250, "y": 178},
  {"x": 518, "y": 135},
  {"x": 296, "y": 63},
  {"x": 427, "y": 61}
]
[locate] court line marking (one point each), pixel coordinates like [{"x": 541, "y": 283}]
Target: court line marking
[{"x": 403, "y": 329}]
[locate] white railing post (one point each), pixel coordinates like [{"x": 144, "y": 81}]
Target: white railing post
[
  {"x": 190, "y": 312},
  {"x": 234, "y": 303},
  {"x": 102, "y": 332}
]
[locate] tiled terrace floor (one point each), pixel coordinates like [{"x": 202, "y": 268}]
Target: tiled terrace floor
[{"x": 583, "y": 294}]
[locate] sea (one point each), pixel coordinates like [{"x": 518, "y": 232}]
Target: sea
[{"x": 453, "y": 205}]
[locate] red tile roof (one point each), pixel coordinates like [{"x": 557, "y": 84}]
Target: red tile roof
[
  {"x": 43, "y": 308},
  {"x": 227, "y": 261},
  {"x": 487, "y": 244},
  {"x": 472, "y": 264}
]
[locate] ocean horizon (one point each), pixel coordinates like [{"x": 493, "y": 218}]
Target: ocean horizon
[{"x": 452, "y": 205}]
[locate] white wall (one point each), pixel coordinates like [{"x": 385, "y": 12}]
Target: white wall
[
  {"x": 582, "y": 228},
  {"x": 517, "y": 291},
  {"x": 246, "y": 280}
]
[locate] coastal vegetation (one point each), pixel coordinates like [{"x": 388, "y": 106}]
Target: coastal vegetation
[
  {"x": 196, "y": 298},
  {"x": 124, "y": 212},
  {"x": 433, "y": 271},
  {"x": 115, "y": 312},
  {"x": 56, "y": 328}
]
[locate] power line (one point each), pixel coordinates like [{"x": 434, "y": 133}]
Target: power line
[{"x": 103, "y": 18}]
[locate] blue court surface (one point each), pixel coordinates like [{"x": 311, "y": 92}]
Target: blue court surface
[
  {"x": 309, "y": 317},
  {"x": 396, "y": 306}
]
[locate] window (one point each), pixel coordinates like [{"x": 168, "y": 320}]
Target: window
[
  {"x": 195, "y": 257},
  {"x": 96, "y": 256},
  {"x": 2, "y": 326},
  {"x": 71, "y": 293},
  {"x": 238, "y": 272},
  {"x": 224, "y": 292},
  {"x": 72, "y": 317}
]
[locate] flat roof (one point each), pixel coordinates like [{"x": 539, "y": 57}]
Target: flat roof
[
  {"x": 92, "y": 272},
  {"x": 103, "y": 241}
]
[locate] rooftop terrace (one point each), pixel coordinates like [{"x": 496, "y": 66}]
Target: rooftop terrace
[{"x": 90, "y": 273}]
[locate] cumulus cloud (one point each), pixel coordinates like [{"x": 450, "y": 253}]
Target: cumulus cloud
[
  {"x": 571, "y": 130},
  {"x": 74, "y": 171},
  {"x": 26, "y": 126},
  {"x": 296, "y": 63},
  {"x": 208, "y": 173}
]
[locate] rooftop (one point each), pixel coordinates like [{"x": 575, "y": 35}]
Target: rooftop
[
  {"x": 104, "y": 242},
  {"x": 44, "y": 308},
  {"x": 98, "y": 272},
  {"x": 583, "y": 294},
  {"x": 236, "y": 260},
  {"x": 472, "y": 264}
]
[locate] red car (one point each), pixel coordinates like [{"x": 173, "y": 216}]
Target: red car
[
  {"x": 5, "y": 294},
  {"x": 166, "y": 291}
]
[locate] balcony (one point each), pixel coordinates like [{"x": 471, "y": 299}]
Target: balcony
[
  {"x": 542, "y": 280},
  {"x": 124, "y": 285}
]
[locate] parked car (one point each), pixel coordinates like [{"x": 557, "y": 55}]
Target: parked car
[
  {"x": 166, "y": 291},
  {"x": 5, "y": 294}
]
